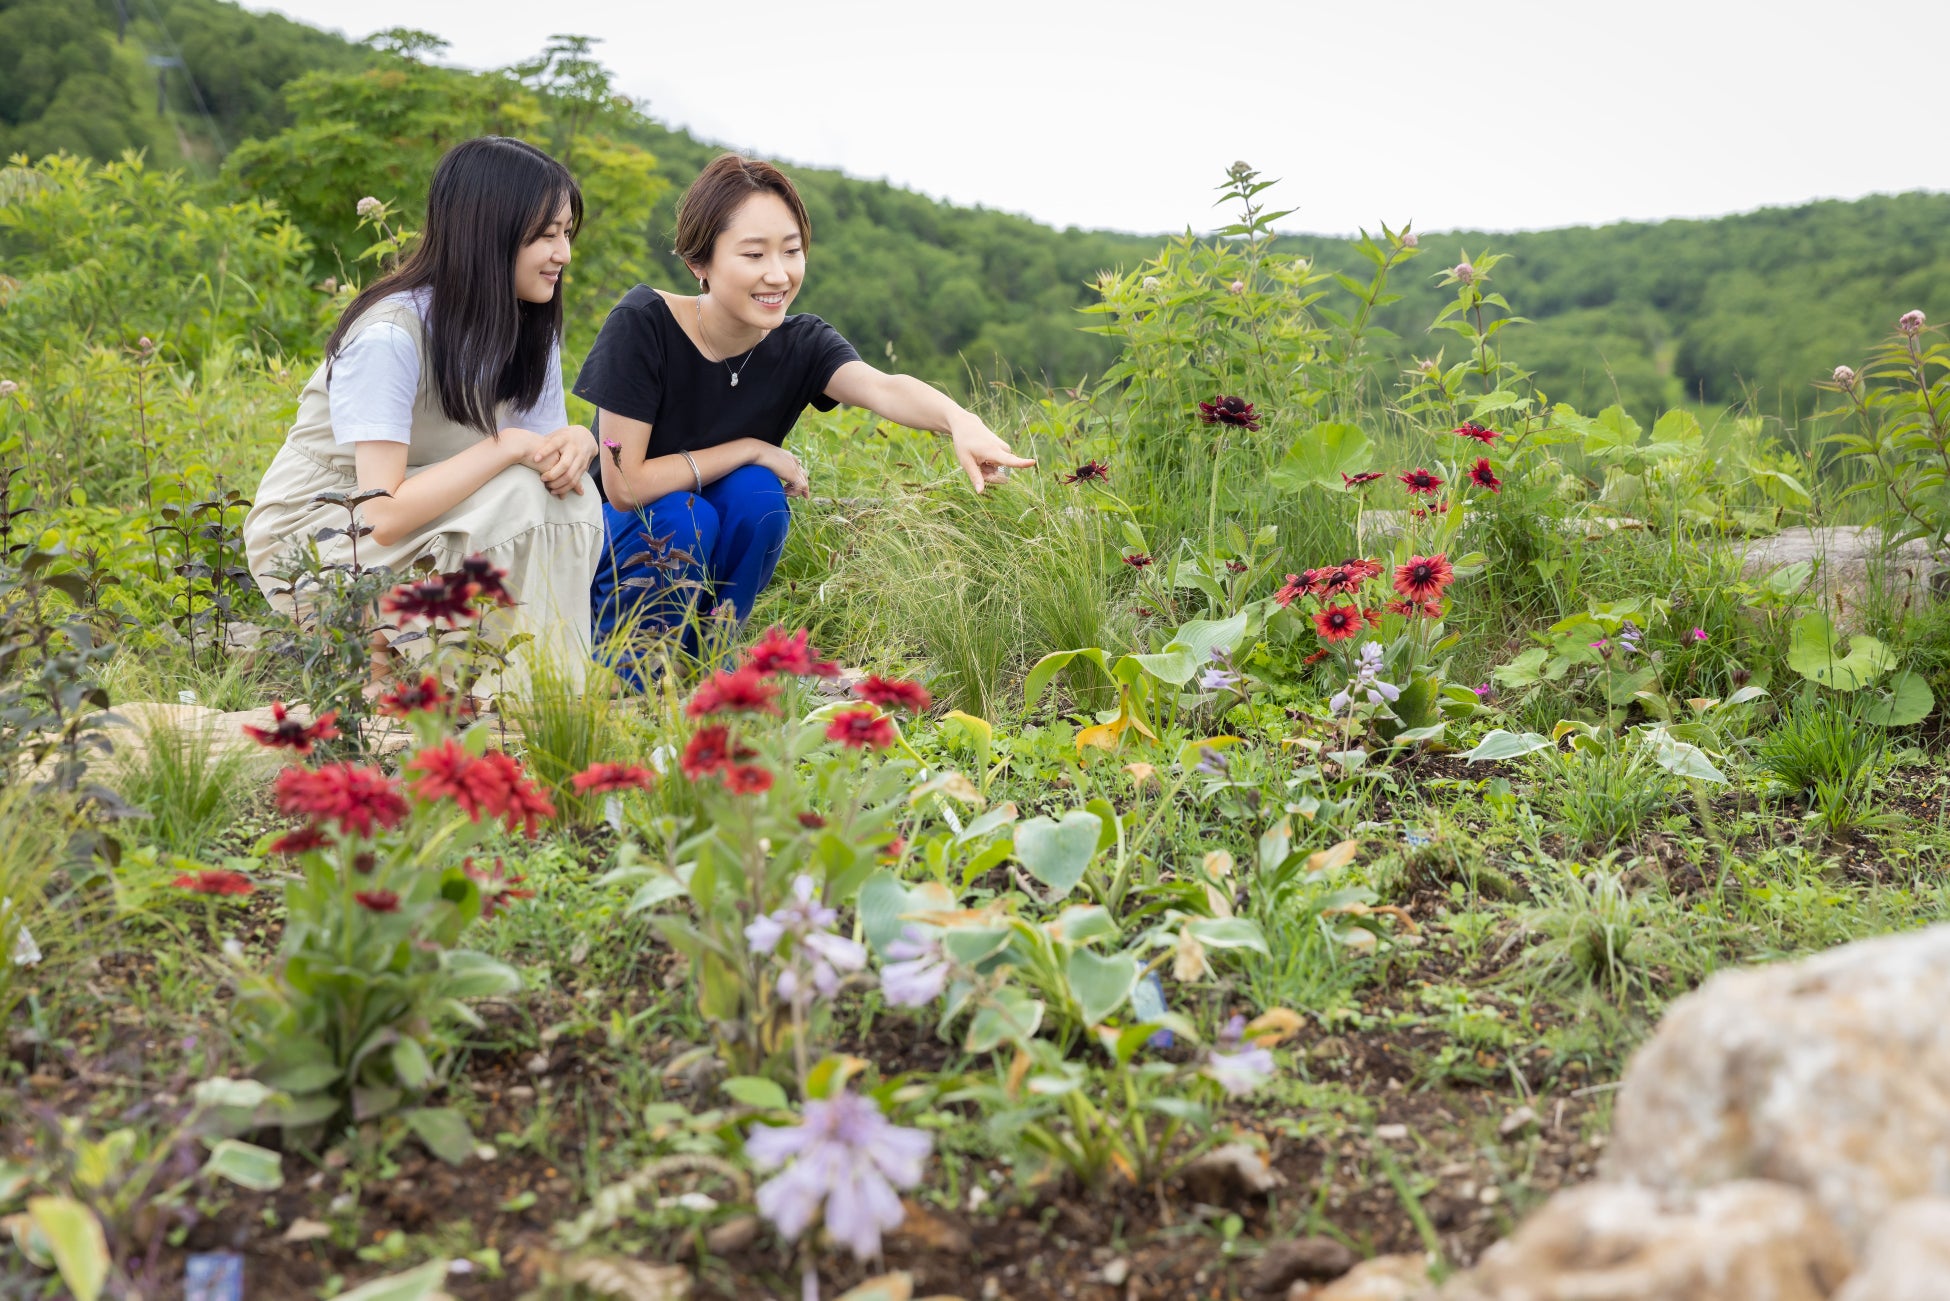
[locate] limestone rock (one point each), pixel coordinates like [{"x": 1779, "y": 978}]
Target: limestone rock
[
  {"x": 1385, "y": 1278},
  {"x": 1749, "y": 1240},
  {"x": 1831, "y": 1074},
  {"x": 1908, "y": 1256},
  {"x": 1845, "y": 559}
]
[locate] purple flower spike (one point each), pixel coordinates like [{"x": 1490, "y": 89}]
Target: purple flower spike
[
  {"x": 921, "y": 974},
  {"x": 847, "y": 1155}
]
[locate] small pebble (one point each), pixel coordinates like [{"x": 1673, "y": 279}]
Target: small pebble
[{"x": 1391, "y": 1133}]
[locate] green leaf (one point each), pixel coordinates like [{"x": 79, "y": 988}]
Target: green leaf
[
  {"x": 1322, "y": 455},
  {"x": 882, "y": 901},
  {"x": 756, "y": 1091},
  {"x": 1100, "y": 984},
  {"x": 476, "y": 975},
  {"x": 1815, "y": 653},
  {"x": 1500, "y": 744},
  {"x": 444, "y": 1131},
  {"x": 1229, "y": 933},
  {"x": 249, "y": 1094},
  {"x": 1524, "y": 669},
  {"x": 410, "y": 1064},
  {"x": 1081, "y": 924},
  {"x": 414, "y": 1285},
  {"x": 661, "y": 888},
  {"x": 1058, "y": 853},
  {"x": 1683, "y": 759},
  {"x": 1904, "y": 699},
  {"x": 246, "y": 1165},
  {"x": 1010, "y": 1016},
  {"x": 75, "y": 1237}
]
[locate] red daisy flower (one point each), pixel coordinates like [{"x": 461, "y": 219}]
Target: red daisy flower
[
  {"x": 746, "y": 779},
  {"x": 1483, "y": 476},
  {"x": 1470, "y": 429},
  {"x": 709, "y": 750},
  {"x": 1338, "y": 622},
  {"x": 485, "y": 578},
  {"x": 1360, "y": 480},
  {"x": 290, "y": 734},
  {"x": 811, "y": 821},
  {"x": 435, "y": 599},
  {"x": 1089, "y": 472},
  {"x": 1332, "y": 580},
  {"x": 214, "y": 881},
  {"x": 1423, "y": 577},
  {"x": 1420, "y": 481},
  {"x": 301, "y": 841},
  {"x": 1236, "y": 413},
  {"x": 861, "y": 729},
  {"x": 413, "y": 697},
  {"x": 378, "y": 901},
  {"x": 744, "y": 691},
  {"x": 492, "y": 784},
  {"x": 498, "y": 889},
  {"x": 1295, "y": 588},
  {"x": 1137, "y": 560},
  {"x": 359, "y": 800},
  {"x": 887, "y": 694},
  {"x": 1362, "y": 570},
  {"x": 778, "y": 653},
  {"x": 605, "y": 777}
]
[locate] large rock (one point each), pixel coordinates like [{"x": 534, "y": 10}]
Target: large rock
[
  {"x": 1848, "y": 560},
  {"x": 1385, "y": 1278},
  {"x": 1750, "y": 1240},
  {"x": 1908, "y": 1256},
  {"x": 1831, "y": 1074}
]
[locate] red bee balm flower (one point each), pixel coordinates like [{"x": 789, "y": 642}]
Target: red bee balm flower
[
  {"x": 708, "y": 751},
  {"x": 861, "y": 729},
  {"x": 1483, "y": 476},
  {"x": 291, "y": 734},
  {"x": 498, "y": 889},
  {"x": 436, "y": 599},
  {"x": 911, "y": 696},
  {"x": 1420, "y": 481},
  {"x": 1089, "y": 472},
  {"x": 492, "y": 784},
  {"x": 605, "y": 777},
  {"x": 301, "y": 841},
  {"x": 811, "y": 821},
  {"x": 378, "y": 901},
  {"x": 214, "y": 881},
  {"x": 745, "y": 691},
  {"x": 778, "y": 653},
  {"x": 1423, "y": 577},
  {"x": 412, "y": 698},
  {"x": 1235, "y": 413},
  {"x": 1338, "y": 622},
  {"x": 359, "y": 800}
]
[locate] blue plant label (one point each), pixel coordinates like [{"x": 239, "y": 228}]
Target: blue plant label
[{"x": 214, "y": 1276}]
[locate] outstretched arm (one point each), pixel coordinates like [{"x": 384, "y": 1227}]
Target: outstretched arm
[{"x": 907, "y": 401}]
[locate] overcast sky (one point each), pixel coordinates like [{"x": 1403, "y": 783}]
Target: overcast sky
[{"x": 1501, "y": 114}]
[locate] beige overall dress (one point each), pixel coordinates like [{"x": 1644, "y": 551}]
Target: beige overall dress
[{"x": 548, "y": 545}]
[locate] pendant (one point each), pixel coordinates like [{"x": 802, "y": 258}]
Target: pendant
[{"x": 734, "y": 379}]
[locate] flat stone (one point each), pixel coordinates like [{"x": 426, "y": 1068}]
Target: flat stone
[{"x": 1849, "y": 561}]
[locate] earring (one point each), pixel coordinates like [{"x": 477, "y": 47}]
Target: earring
[{"x": 703, "y": 285}]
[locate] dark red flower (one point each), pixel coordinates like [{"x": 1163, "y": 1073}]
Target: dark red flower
[
  {"x": 1423, "y": 577},
  {"x": 746, "y": 778},
  {"x": 214, "y": 881},
  {"x": 1360, "y": 480},
  {"x": 605, "y": 777},
  {"x": 775, "y": 652},
  {"x": 893, "y": 849},
  {"x": 485, "y": 579},
  {"x": 1332, "y": 580},
  {"x": 1362, "y": 570},
  {"x": 1235, "y": 413},
  {"x": 911, "y": 696},
  {"x": 861, "y": 729},
  {"x": 708, "y": 751},
  {"x": 1420, "y": 481},
  {"x": 290, "y": 734},
  {"x": 1089, "y": 472},
  {"x": 1483, "y": 476},
  {"x": 1137, "y": 560},
  {"x": 498, "y": 889},
  {"x": 359, "y": 800},
  {"x": 811, "y": 821},
  {"x": 1470, "y": 429},
  {"x": 378, "y": 901},
  {"x": 1316, "y": 657},
  {"x": 492, "y": 784},
  {"x": 301, "y": 841},
  {"x": 413, "y": 698},
  {"x": 1295, "y": 588},
  {"x": 743, "y": 691},
  {"x": 1338, "y": 622},
  {"x": 1237, "y": 566},
  {"x": 436, "y": 598}
]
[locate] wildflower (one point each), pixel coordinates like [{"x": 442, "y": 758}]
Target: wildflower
[
  {"x": 1239, "y": 1070},
  {"x": 1212, "y": 762},
  {"x": 1428, "y": 366},
  {"x": 1089, "y": 472},
  {"x": 846, "y": 1154},
  {"x": 920, "y": 975},
  {"x": 8, "y": 388},
  {"x": 1331, "y": 580},
  {"x": 1338, "y": 622},
  {"x": 615, "y": 450},
  {"x": 1237, "y": 287},
  {"x": 289, "y": 733},
  {"x": 433, "y": 599},
  {"x": 746, "y": 779},
  {"x": 1464, "y": 272},
  {"x": 708, "y": 751},
  {"x": 775, "y": 652},
  {"x": 359, "y": 800},
  {"x": 745, "y": 690},
  {"x": 379, "y": 901},
  {"x": 1911, "y": 324},
  {"x": 893, "y": 849},
  {"x": 911, "y": 696},
  {"x": 424, "y": 696},
  {"x": 1845, "y": 376},
  {"x": 1470, "y": 429},
  {"x": 1697, "y": 634},
  {"x": 1420, "y": 481},
  {"x": 1362, "y": 570},
  {"x": 1484, "y": 693},
  {"x": 146, "y": 344},
  {"x": 1316, "y": 657},
  {"x": 1137, "y": 560},
  {"x": 1483, "y": 475},
  {"x": 1409, "y": 239},
  {"x": 811, "y": 821},
  {"x": 1366, "y": 682},
  {"x": 1424, "y": 577},
  {"x": 1150, "y": 284},
  {"x": 1235, "y": 413},
  {"x": 603, "y": 778},
  {"x": 1296, "y": 587},
  {"x": 1360, "y": 480},
  {"x": 1218, "y": 679},
  {"x": 861, "y": 729},
  {"x": 492, "y": 784},
  {"x": 1237, "y": 566},
  {"x": 369, "y": 205},
  {"x": 483, "y": 578},
  {"x": 214, "y": 881},
  {"x": 301, "y": 841},
  {"x": 498, "y": 889},
  {"x": 819, "y": 954},
  {"x": 1629, "y": 636}
]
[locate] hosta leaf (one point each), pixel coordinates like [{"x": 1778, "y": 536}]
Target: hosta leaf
[
  {"x": 1058, "y": 853},
  {"x": 1100, "y": 984},
  {"x": 1904, "y": 699},
  {"x": 246, "y": 1165},
  {"x": 75, "y": 1238},
  {"x": 1500, "y": 744}
]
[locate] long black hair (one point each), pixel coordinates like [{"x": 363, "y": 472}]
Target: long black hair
[{"x": 491, "y": 197}]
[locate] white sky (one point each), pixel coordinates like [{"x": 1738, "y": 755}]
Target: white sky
[{"x": 1500, "y": 114}]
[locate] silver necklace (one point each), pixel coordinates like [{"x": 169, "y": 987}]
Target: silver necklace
[{"x": 698, "y": 303}]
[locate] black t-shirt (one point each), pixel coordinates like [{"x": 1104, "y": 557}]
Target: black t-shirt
[{"x": 645, "y": 367}]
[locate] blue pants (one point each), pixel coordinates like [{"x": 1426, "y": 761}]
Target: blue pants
[{"x": 689, "y": 551}]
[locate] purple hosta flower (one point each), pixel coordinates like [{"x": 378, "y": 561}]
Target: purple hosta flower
[
  {"x": 846, "y": 1154},
  {"x": 1220, "y": 677},
  {"x": 1697, "y": 634},
  {"x": 1911, "y": 323},
  {"x": 1238, "y": 1069},
  {"x": 1629, "y": 637},
  {"x": 920, "y": 975},
  {"x": 818, "y": 955},
  {"x": 8, "y": 388},
  {"x": 1213, "y": 762},
  {"x": 1148, "y": 1001},
  {"x": 1366, "y": 681}
]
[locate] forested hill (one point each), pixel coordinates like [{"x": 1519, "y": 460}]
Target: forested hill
[{"x": 1757, "y": 305}]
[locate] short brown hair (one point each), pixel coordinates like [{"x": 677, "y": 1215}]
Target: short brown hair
[{"x": 705, "y": 210}]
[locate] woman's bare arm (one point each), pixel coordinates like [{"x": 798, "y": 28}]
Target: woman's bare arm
[
  {"x": 632, "y": 481},
  {"x": 908, "y": 401},
  {"x": 419, "y": 500}
]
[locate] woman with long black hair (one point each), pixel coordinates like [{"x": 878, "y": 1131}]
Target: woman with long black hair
[{"x": 442, "y": 387}]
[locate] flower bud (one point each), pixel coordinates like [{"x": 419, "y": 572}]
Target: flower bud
[
  {"x": 8, "y": 388},
  {"x": 1845, "y": 376},
  {"x": 1427, "y": 366},
  {"x": 1911, "y": 324},
  {"x": 1150, "y": 284},
  {"x": 1464, "y": 272},
  {"x": 1409, "y": 239},
  {"x": 331, "y": 285},
  {"x": 369, "y": 205},
  {"x": 1237, "y": 287},
  {"x": 145, "y": 343}
]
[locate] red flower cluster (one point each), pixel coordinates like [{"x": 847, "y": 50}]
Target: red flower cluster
[
  {"x": 498, "y": 889},
  {"x": 861, "y": 729},
  {"x": 290, "y": 734},
  {"x": 480, "y": 573},
  {"x": 1408, "y": 610},
  {"x": 1470, "y": 429},
  {"x": 1420, "y": 481},
  {"x": 911, "y": 696},
  {"x": 1330, "y": 580},
  {"x": 711, "y": 751},
  {"x": 492, "y": 784},
  {"x": 302, "y": 841},
  {"x": 745, "y": 690},
  {"x": 1089, "y": 472},
  {"x": 450, "y": 598},
  {"x": 360, "y": 800},
  {"x": 214, "y": 881},
  {"x": 1484, "y": 476},
  {"x": 378, "y": 901},
  {"x": 778, "y": 653},
  {"x": 1423, "y": 578},
  {"x": 1137, "y": 560},
  {"x": 1236, "y": 413},
  {"x": 602, "y": 778},
  {"x": 414, "y": 697}
]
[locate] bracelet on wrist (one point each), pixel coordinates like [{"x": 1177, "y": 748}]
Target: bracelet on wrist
[{"x": 697, "y": 480}]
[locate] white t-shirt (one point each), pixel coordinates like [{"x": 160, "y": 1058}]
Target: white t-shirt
[{"x": 374, "y": 381}]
